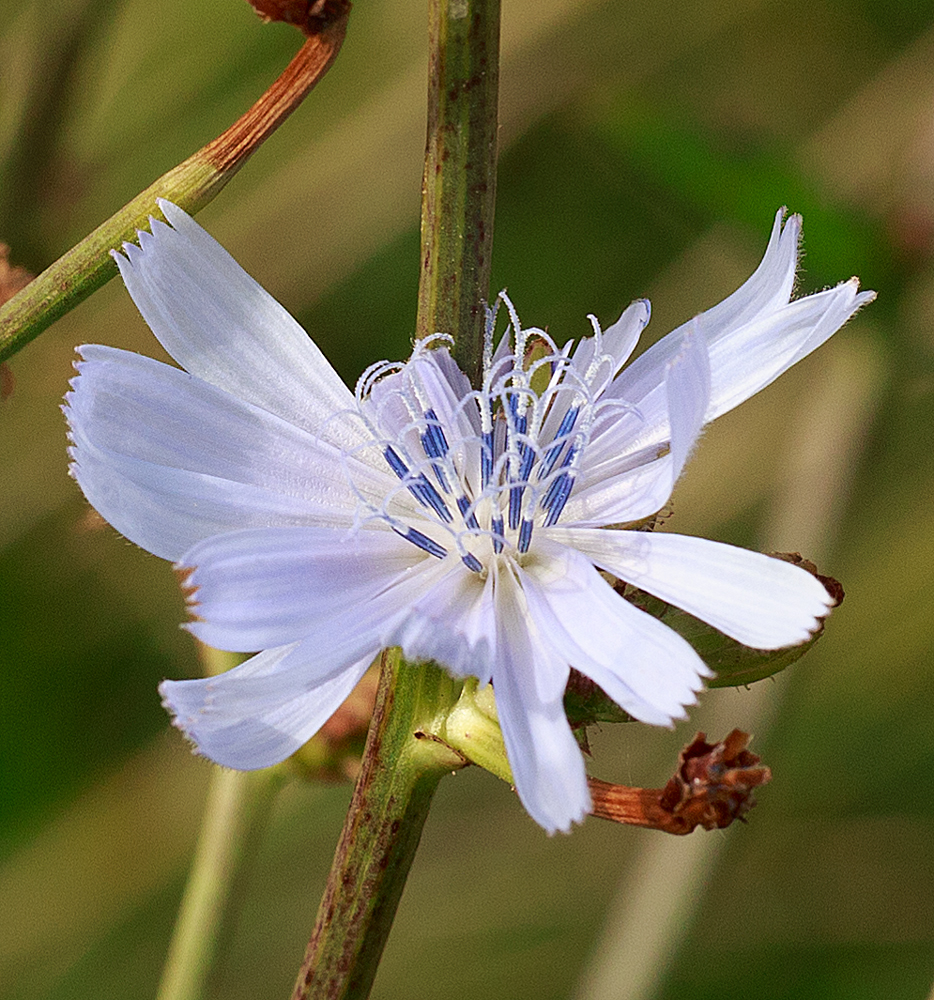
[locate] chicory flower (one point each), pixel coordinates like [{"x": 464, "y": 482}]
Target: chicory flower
[{"x": 476, "y": 527}]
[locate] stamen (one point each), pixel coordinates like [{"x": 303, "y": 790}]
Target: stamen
[
  {"x": 486, "y": 459},
  {"x": 557, "y": 497},
  {"x": 395, "y": 463},
  {"x": 436, "y": 446},
  {"x": 515, "y": 506},
  {"x": 553, "y": 487},
  {"x": 498, "y": 536},
  {"x": 525, "y": 535},
  {"x": 515, "y": 492},
  {"x": 554, "y": 450},
  {"x": 422, "y": 541},
  {"x": 419, "y": 487},
  {"x": 441, "y": 477},
  {"x": 432, "y": 497},
  {"x": 433, "y": 440},
  {"x": 528, "y": 460},
  {"x": 470, "y": 518},
  {"x": 472, "y": 562}
]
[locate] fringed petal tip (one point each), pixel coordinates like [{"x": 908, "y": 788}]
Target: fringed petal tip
[
  {"x": 824, "y": 594},
  {"x": 574, "y": 816},
  {"x": 175, "y": 216},
  {"x": 553, "y": 810},
  {"x": 566, "y": 824},
  {"x": 126, "y": 257},
  {"x": 184, "y": 726},
  {"x": 668, "y": 707},
  {"x": 790, "y": 223},
  {"x": 224, "y": 747},
  {"x": 201, "y": 731},
  {"x": 668, "y": 716},
  {"x": 182, "y": 723}
]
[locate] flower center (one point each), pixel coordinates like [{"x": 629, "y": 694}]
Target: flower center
[{"x": 486, "y": 466}]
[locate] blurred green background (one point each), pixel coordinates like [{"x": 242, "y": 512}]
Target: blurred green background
[{"x": 645, "y": 148}]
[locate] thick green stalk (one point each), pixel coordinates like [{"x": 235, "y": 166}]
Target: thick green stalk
[
  {"x": 402, "y": 765},
  {"x": 191, "y": 185},
  {"x": 459, "y": 184},
  {"x": 406, "y": 754}
]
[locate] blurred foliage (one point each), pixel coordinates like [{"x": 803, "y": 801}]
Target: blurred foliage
[{"x": 645, "y": 150}]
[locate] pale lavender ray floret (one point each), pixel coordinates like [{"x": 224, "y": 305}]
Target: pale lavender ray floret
[{"x": 472, "y": 527}]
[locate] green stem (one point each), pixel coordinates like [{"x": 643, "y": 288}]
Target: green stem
[
  {"x": 406, "y": 754},
  {"x": 459, "y": 184},
  {"x": 402, "y": 765},
  {"x": 191, "y": 185},
  {"x": 235, "y": 814}
]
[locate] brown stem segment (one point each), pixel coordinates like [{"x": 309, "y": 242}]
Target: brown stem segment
[
  {"x": 459, "y": 184},
  {"x": 191, "y": 185},
  {"x": 231, "y": 149},
  {"x": 401, "y": 769}
]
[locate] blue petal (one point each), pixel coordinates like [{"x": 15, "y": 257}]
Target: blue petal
[
  {"x": 259, "y": 731},
  {"x": 544, "y": 757},
  {"x": 222, "y": 326},
  {"x": 168, "y": 458}
]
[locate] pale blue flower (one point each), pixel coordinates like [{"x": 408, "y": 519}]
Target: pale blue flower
[{"x": 469, "y": 527}]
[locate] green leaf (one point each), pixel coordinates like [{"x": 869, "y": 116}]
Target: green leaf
[
  {"x": 733, "y": 663},
  {"x": 586, "y": 704}
]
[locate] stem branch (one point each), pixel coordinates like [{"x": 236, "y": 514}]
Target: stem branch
[{"x": 191, "y": 185}]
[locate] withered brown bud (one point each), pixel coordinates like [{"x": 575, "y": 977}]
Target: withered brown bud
[
  {"x": 333, "y": 754},
  {"x": 712, "y": 786},
  {"x": 310, "y": 16},
  {"x": 12, "y": 280}
]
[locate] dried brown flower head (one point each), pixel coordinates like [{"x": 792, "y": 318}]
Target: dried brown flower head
[{"x": 712, "y": 786}]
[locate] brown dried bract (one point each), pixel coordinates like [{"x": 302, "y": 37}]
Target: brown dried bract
[
  {"x": 12, "y": 279},
  {"x": 310, "y": 16},
  {"x": 333, "y": 753},
  {"x": 834, "y": 587},
  {"x": 713, "y": 786}
]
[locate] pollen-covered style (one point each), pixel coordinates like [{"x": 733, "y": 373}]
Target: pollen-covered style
[{"x": 468, "y": 526}]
